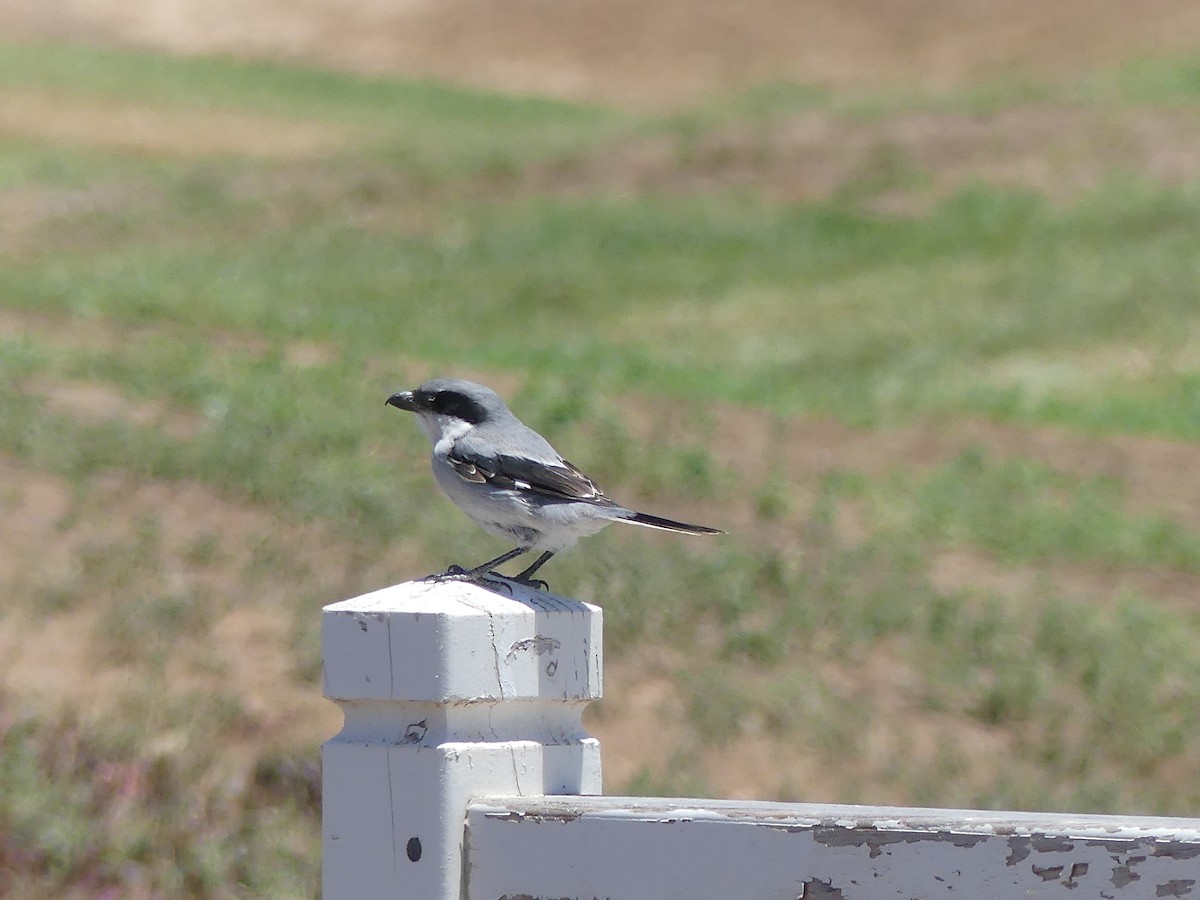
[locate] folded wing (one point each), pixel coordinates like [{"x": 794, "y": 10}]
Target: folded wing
[{"x": 557, "y": 480}]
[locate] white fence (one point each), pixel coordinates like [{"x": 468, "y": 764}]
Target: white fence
[{"x": 463, "y": 771}]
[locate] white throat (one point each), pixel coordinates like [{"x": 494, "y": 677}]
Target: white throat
[{"x": 443, "y": 431}]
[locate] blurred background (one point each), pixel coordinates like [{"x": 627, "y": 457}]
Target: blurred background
[{"x": 906, "y": 296}]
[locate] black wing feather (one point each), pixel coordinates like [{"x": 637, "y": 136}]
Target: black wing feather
[{"x": 555, "y": 481}]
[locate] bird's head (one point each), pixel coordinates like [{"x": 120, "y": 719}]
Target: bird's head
[{"x": 449, "y": 406}]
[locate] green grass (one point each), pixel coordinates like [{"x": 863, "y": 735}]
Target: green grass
[
  {"x": 420, "y": 248},
  {"x": 856, "y": 316},
  {"x": 429, "y": 129},
  {"x": 220, "y": 82},
  {"x": 1027, "y": 512}
]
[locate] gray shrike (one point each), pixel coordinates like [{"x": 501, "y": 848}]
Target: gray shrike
[{"x": 506, "y": 477}]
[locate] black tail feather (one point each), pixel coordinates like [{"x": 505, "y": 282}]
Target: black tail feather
[{"x": 670, "y": 525}]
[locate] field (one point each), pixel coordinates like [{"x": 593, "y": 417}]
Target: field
[{"x": 929, "y": 351}]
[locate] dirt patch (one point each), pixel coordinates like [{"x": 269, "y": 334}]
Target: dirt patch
[
  {"x": 903, "y": 163},
  {"x": 966, "y": 569},
  {"x": 1161, "y": 476},
  {"x": 639, "y": 54},
  {"x": 32, "y": 505},
  {"x": 94, "y": 334},
  {"x": 93, "y": 402},
  {"x": 309, "y": 354},
  {"x": 28, "y": 211},
  {"x": 129, "y": 127}
]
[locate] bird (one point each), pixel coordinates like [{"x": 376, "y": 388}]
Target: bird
[{"x": 509, "y": 480}]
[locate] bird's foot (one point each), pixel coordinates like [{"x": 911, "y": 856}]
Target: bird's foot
[
  {"x": 454, "y": 573},
  {"x": 535, "y": 583},
  {"x": 497, "y": 580},
  {"x": 470, "y": 576}
]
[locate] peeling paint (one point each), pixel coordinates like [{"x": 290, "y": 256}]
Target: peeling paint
[
  {"x": 536, "y": 818},
  {"x": 816, "y": 889},
  {"x": 1115, "y": 848},
  {"x": 1078, "y": 870},
  {"x": 1048, "y": 873},
  {"x": 788, "y": 829},
  {"x": 963, "y": 840},
  {"x": 837, "y": 836},
  {"x": 1176, "y": 887},
  {"x": 415, "y": 732},
  {"x": 1124, "y": 872},
  {"x": 1018, "y": 849},
  {"x": 538, "y": 644},
  {"x": 1045, "y": 844},
  {"x": 1175, "y": 851}
]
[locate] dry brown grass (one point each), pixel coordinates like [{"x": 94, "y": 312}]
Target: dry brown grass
[
  {"x": 135, "y": 128},
  {"x": 649, "y": 55},
  {"x": 916, "y": 158}
]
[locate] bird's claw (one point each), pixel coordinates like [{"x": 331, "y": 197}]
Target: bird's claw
[
  {"x": 454, "y": 573},
  {"x": 458, "y": 573},
  {"x": 507, "y": 582},
  {"x": 498, "y": 580}
]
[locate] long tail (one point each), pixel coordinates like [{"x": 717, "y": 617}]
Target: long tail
[{"x": 650, "y": 521}]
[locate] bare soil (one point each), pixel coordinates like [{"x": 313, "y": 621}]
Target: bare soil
[
  {"x": 903, "y": 163},
  {"x": 131, "y": 127},
  {"x": 642, "y": 54},
  {"x": 908, "y": 161}
]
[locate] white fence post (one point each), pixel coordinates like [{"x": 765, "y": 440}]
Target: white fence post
[{"x": 450, "y": 692}]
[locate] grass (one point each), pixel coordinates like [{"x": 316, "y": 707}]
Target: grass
[
  {"x": 431, "y": 130},
  {"x": 858, "y": 314},
  {"x": 243, "y": 318},
  {"x": 147, "y": 820}
]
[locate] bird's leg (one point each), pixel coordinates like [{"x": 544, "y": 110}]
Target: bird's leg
[
  {"x": 525, "y": 578},
  {"x": 458, "y": 573},
  {"x": 487, "y": 567}
]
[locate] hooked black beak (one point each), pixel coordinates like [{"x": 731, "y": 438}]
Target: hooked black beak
[{"x": 402, "y": 400}]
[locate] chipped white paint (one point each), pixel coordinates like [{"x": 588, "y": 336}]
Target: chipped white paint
[
  {"x": 450, "y": 692},
  {"x": 650, "y": 849},
  {"x": 463, "y": 710}
]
